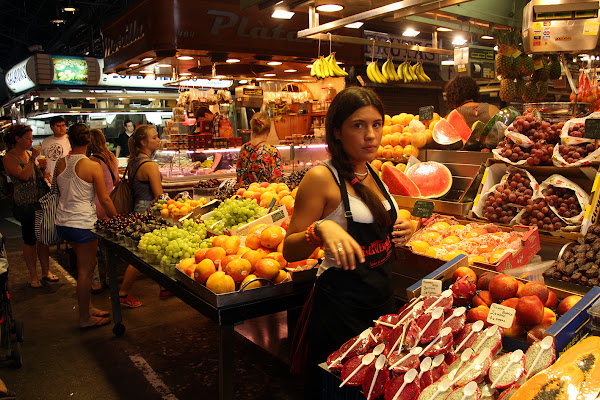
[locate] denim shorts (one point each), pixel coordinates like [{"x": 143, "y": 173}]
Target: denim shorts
[{"x": 76, "y": 235}]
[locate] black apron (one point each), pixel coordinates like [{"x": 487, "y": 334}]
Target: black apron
[{"x": 346, "y": 302}]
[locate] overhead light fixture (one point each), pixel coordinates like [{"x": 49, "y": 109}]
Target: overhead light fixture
[
  {"x": 355, "y": 25},
  {"x": 146, "y": 59},
  {"x": 459, "y": 41},
  {"x": 232, "y": 60},
  {"x": 410, "y": 32},
  {"x": 133, "y": 65},
  {"x": 330, "y": 8},
  {"x": 243, "y": 81},
  {"x": 495, "y": 48},
  {"x": 274, "y": 63},
  {"x": 58, "y": 21},
  {"x": 442, "y": 29},
  {"x": 448, "y": 62},
  {"x": 282, "y": 14},
  {"x": 290, "y": 70},
  {"x": 270, "y": 74},
  {"x": 185, "y": 74},
  {"x": 309, "y": 66},
  {"x": 185, "y": 58},
  {"x": 146, "y": 71},
  {"x": 487, "y": 37},
  {"x": 70, "y": 9},
  {"x": 163, "y": 65}
]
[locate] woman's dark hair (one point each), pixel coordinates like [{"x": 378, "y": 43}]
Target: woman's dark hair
[
  {"x": 342, "y": 107},
  {"x": 13, "y": 132},
  {"x": 79, "y": 135},
  {"x": 135, "y": 141},
  {"x": 460, "y": 89},
  {"x": 201, "y": 111}
]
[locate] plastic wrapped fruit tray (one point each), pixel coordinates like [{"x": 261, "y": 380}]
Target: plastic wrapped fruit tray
[{"x": 233, "y": 298}]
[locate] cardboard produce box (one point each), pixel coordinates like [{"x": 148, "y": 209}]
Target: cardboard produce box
[{"x": 567, "y": 329}]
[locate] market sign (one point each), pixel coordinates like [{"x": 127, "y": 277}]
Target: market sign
[
  {"x": 399, "y": 54},
  {"x": 70, "y": 70},
  {"x": 21, "y": 77}
]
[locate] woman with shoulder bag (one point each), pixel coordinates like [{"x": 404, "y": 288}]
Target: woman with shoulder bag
[
  {"x": 29, "y": 187},
  {"x": 79, "y": 180}
]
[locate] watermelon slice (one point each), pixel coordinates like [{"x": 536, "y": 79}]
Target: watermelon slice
[
  {"x": 398, "y": 183},
  {"x": 432, "y": 178},
  {"x": 459, "y": 124},
  {"x": 446, "y": 136}
]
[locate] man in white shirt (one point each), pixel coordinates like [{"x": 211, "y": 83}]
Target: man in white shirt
[{"x": 56, "y": 146}]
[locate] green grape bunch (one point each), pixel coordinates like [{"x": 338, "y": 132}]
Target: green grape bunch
[
  {"x": 173, "y": 243},
  {"x": 233, "y": 213}
]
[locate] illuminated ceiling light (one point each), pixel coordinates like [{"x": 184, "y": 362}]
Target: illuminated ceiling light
[
  {"x": 290, "y": 70},
  {"x": 146, "y": 72},
  {"x": 69, "y": 9},
  {"x": 282, "y": 14},
  {"x": 90, "y": 98},
  {"x": 279, "y": 2},
  {"x": 495, "y": 48},
  {"x": 150, "y": 99},
  {"x": 270, "y": 74},
  {"x": 487, "y": 37},
  {"x": 185, "y": 58},
  {"x": 274, "y": 63},
  {"x": 147, "y": 59},
  {"x": 259, "y": 79},
  {"x": 355, "y": 25},
  {"x": 58, "y": 21},
  {"x": 232, "y": 60},
  {"x": 133, "y": 65},
  {"x": 220, "y": 77},
  {"x": 448, "y": 62},
  {"x": 459, "y": 41},
  {"x": 330, "y": 8},
  {"x": 163, "y": 65},
  {"x": 185, "y": 74},
  {"x": 442, "y": 29},
  {"x": 243, "y": 81},
  {"x": 410, "y": 32}
]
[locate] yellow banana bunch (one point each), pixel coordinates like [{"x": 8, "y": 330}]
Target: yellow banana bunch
[
  {"x": 334, "y": 67},
  {"x": 321, "y": 68},
  {"x": 421, "y": 73},
  {"x": 405, "y": 72},
  {"x": 389, "y": 71},
  {"x": 374, "y": 74}
]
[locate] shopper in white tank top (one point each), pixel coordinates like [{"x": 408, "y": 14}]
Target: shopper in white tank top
[{"x": 79, "y": 181}]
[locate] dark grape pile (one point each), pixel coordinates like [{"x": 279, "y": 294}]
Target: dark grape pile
[
  {"x": 208, "y": 183},
  {"x": 572, "y": 153},
  {"x": 293, "y": 179},
  {"x": 227, "y": 190},
  {"x": 577, "y": 130},
  {"x": 564, "y": 200},
  {"x": 539, "y": 214},
  {"x": 502, "y": 205}
]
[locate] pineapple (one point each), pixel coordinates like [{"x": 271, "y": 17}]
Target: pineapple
[
  {"x": 555, "y": 70},
  {"x": 542, "y": 90},
  {"x": 504, "y": 64},
  {"x": 543, "y": 73},
  {"x": 508, "y": 90},
  {"x": 520, "y": 87},
  {"x": 526, "y": 66},
  {"x": 530, "y": 92}
]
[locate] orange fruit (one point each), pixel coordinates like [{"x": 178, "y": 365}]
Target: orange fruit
[
  {"x": 277, "y": 256},
  {"x": 218, "y": 240},
  {"x": 281, "y": 276},
  {"x": 253, "y": 256},
  {"x": 215, "y": 253},
  {"x": 255, "y": 284},
  {"x": 219, "y": 282},
  {"x": 267, "y": 268},
  {"x": 164, "y": 213},
  {"x": 238, "y": 269},
  {"x": 231, "y": 244},
  {"x": 204, "y": 270},
  {"x": 271, "y": 236},
  {"x": 253, "y": 241}
]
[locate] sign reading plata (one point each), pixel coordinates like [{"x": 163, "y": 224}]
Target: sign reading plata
[
  {"x": 592, "y": 128},
  {"x": 426, "y": 113},
  {"x": 423, "y": 209}
]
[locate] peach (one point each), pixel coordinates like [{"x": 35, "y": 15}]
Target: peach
[
  {"x": 515, "y": 330},
  {"x": 266, "y": 268},
  {"x": 465, "y": 271},
  {"x": 238, "y": 269},
  {"x": 405, "y": 139},
  {"x": 535, "y": 288},
  {"x": 483, "y": 283},
  {"x": 479, "y": 313},
  {"x": 411, "y": 150},
  {"x": 549, "y": 316},
  {"x": 552, "y": 301},
  {"x": 512, "y": 302},
  {"x": 204, "y": 270},
  {"x": 520, "y": 289},
  {"x": 387, "y": 151},
  {"x": 255, "y": 284},
  {"x": 483, "y": 298},
  {"x": 219, "y": 282},
  {"x": 215, "y": 253},
  {"x": 537, "y": 332},
  {"x": 398, "y": 151},
  {"x": 199, "y": 255},
  {"x": 568, "y": 302},
  {"x": 503, "y": 287},
  {"x": 530, "y": 310}
]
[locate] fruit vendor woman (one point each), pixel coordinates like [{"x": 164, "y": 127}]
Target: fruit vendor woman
[
  {"x": 462, "y": 94},
  {"x": 343, "y": 206}
]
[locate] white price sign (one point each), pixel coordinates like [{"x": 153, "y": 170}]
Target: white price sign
[
  {"x": 431, "y": 287},
  {"x": 501, "y": 315}
]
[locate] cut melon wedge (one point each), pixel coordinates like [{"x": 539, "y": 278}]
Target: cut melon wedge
[
  {"x": 432, "y": 178},
  {"x": 398, "y": 183}
]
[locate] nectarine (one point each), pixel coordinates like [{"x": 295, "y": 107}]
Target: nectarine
[
  {"x": 503, "y": 286},
  {"x": 568, "y": 302},
  {"x": 535, "y": 288},
  {"x": 530, "y": 310}
]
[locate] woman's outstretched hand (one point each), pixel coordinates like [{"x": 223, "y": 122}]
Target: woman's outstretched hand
[
  {"x": 345, "y": 250},
  {"x": 402, "y": 232}
]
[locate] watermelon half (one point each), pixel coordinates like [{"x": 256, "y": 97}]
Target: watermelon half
[
  {"x": 459, "y": 124},
  {"x": 446, "y": 136},
  {"x": 398, "y": 183},
  {"x": 432, "y": 178}
]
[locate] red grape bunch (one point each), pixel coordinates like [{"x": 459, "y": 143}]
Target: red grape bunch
[
  {"x": 577, "y": 130},
  {"x": 564, "y": 200},
  {"x": 572, "y": 153},
  {"x": 502, "y": 205},
  {"x": 537, "y": 130},
  {"x": 539, "y": 214}
]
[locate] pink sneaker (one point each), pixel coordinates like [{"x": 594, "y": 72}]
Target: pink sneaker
[
  {"x": 128, "y": 301},
  {"x": 164, "y": 294}
]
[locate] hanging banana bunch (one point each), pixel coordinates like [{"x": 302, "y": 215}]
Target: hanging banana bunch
[
  {"x": 374, "y": 74},
  {"x": 324, "y": 67},
  {"x": 412, "y": 73},
  {"x": 388, "y": 70}
]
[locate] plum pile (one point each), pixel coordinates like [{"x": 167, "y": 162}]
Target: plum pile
[
  {"x": 580, "y": 263},
  {"x": 564, "y": 200},
  {"x": 501, "y": 205},
  {"x": 539, "y": 214},
  {"x": 129, "y": 223},
  {"x": 208, "y": 183}
]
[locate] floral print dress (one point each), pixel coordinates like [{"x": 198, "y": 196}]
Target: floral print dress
[{"x": 261, "y": 163}]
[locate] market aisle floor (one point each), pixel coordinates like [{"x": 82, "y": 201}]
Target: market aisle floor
[{"x": 169, "y": 350}]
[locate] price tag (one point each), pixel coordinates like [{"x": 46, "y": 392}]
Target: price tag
[
  {"x": 423, "y": 209},
  {"x": 431, "y": 287},
  {"x": 592, "y": 128},
  {"x": 501, "y": 315},
  {"x": 426, "y": 113}
]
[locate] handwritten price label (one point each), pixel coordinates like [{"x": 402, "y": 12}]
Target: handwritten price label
[
  {"x": 431, "y": 287},
  {"x": 501, "y": 315}
]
